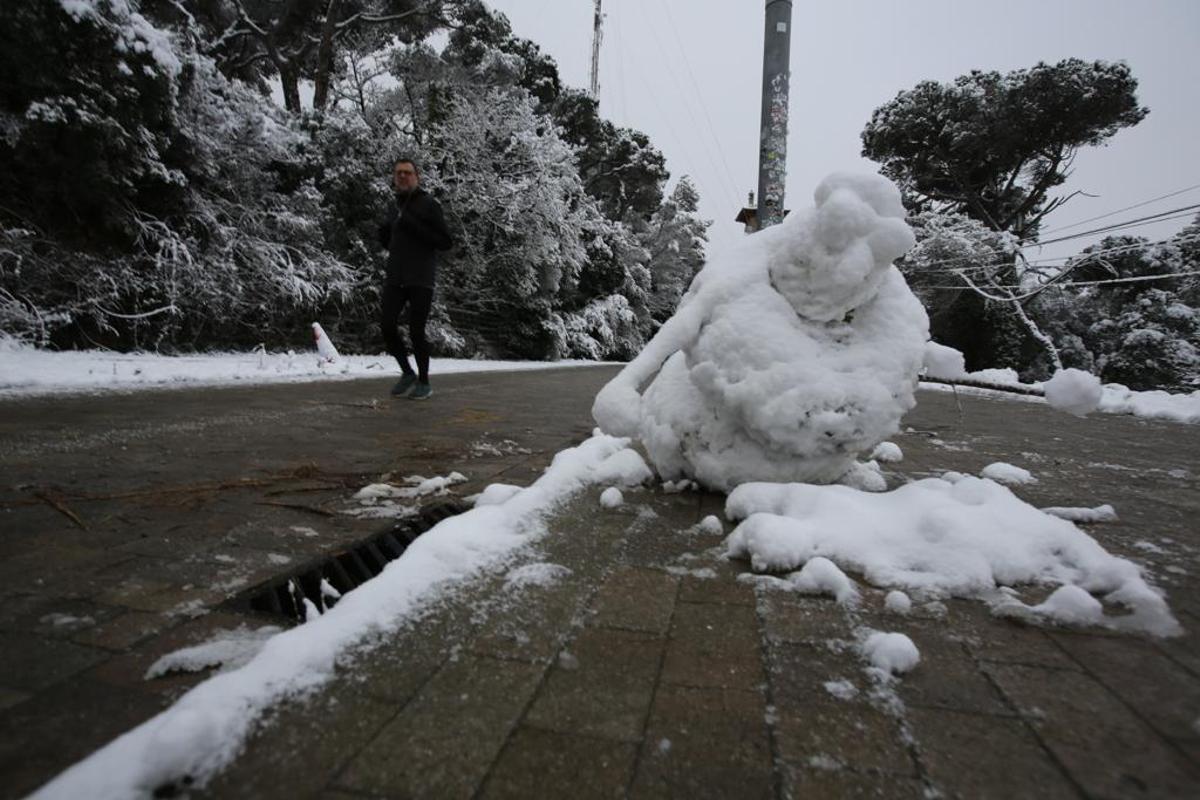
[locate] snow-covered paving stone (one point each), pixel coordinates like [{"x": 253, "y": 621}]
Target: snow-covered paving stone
[
  {"x": 1007, "y": 473},
  {"x": 935, "y": 537},
  {"x": 228, "y": 649},
  {"x": 891, "y": 653},
  {"x": 887, "y": 452},
  {"x": 611, "y": 498},
  {"x": 206, "y": 728},
  {"x": 1103, "y": 513}
]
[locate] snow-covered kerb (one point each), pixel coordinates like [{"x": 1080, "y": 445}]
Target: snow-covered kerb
[
  {"x": 792, "y": 351},
  {"x": 205, "y": 729},
  {"x": 961, "y": 537}
]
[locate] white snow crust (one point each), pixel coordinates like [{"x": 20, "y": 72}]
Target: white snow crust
[
  {"x": 792, "y": 352},
  {"x": 937, "y": 538}
]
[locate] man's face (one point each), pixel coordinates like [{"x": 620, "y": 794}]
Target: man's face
[{"x": 404, "y": 177}]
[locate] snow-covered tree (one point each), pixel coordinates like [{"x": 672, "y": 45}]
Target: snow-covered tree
[
  {"x": 1144, "y": 334},
  {"x": 674, "y": 237},
  {"x": 994, "y": 146}
]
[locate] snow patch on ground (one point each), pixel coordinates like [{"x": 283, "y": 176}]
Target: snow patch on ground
[
  {"x": 227, "y": 649},
  {"x": 936, "y": 537},
  {"x": 1104, "y": 513},
  {"x": 1008, "y": 474},
  {"x": 539, "y": 574}
]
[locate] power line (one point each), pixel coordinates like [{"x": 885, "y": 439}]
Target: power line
[
  {"x": 1007, "y": 255},
  {"x": 687, "y": 106},
  {"x": 696, "y": 88},
  {"x": 1038, "y": 289},
  {"x": 1126, "y": 208},
  {"x": 1152, "y": 217}
]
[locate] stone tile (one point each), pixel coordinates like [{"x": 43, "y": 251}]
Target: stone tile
[
  {"x": 52, "y": 617},
  {"x": 827, "y": 732},
  {"x": 636, "y": 599},
  {"x": 725, "y": 589},
  {"x": 443, "y": 742},
  {"x": 541, "y": 763},
  {"x": 1164, "y": 694},
  {"x": 533, "y": 622},
  {"x": 798, "y": 672},
  {"x": 47, "y": 733},
  {"x": 790, "y": 617},
  {"x": 283, "y": 758},
  {"x": 124, "y": 631},
  {"x": 12, "y": 697},
  {"x": 977, "y": 756},
  {"x": 815, "y": 782},
  {"x": 32, "y": 663},
  {"x": 601, "y": 687},
  {"x": 714, "y": 646},
  {"x": 129, "y": 669},
  {"x": 1104, "y": 747},
  {"x": 705, "y": 743},
  {"x": 947, "y": 676}
]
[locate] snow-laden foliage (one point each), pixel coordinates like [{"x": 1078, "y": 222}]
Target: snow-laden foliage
[
  {"x": 156, "y": 201},
  {"x": 1142, "y": 334}
]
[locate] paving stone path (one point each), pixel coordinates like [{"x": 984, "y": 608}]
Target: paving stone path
[{"x": 654, "y": 668}]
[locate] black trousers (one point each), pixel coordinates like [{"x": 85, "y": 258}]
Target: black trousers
[{"x": 419, "y": 300}]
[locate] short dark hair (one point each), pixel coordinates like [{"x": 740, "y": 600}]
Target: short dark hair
[{"x": 406, "y": 160}]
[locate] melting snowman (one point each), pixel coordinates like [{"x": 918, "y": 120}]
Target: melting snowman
[{"x": 792, "y": 352}]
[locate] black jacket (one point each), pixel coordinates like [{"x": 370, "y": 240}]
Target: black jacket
[{"x": 412, "y": 233}]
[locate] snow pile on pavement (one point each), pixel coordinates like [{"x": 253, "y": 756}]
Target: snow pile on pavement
[
  {"x": 611, "y": 498},
  {"x": 791, "y": 353},
  {"x": 1118, "y": 399},
  {"x": 1104, "y": 513},
  {"x": 205, "y": 729},
  {"x": 1070, "y": 390},
  {"x": 888, "y": 452},
  {"x": 1073, "y": 391},
  {"x": 890, "y": 653},
  {"x": 228, "y": 649},
  {"x": 1007, "y": 473},
  {"x": 539, "y": 574},
  {"x": 968, "y": 538},
  {"x": 26, "y": 371}
]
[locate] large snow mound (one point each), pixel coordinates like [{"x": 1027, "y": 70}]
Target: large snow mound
[
  {"x": 964, "y": 539},
  {"x": 792, "y": 352}
]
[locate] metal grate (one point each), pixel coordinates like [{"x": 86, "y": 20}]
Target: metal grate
[{"x": 343, "y": 571}]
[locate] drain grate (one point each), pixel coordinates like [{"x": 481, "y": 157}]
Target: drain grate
[{"x": 322, "y": 584}]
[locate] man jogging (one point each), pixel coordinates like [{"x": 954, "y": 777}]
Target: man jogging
[{"x": 412, "y": 233}]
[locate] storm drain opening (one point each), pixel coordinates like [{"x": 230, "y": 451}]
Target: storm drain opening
[{"x": 320, "y": 586}]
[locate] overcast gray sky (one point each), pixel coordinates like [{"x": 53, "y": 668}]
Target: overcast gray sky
[{"x": 688, "y": 73}]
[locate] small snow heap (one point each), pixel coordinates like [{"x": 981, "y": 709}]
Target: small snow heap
[
  {"x": 897, "y": 602},
  {"x": 1073, "y": 391},
  {"x": 891, "y": 653},
  {"x": 711, "y": 525},
  {"x": 495, "y": 494},
  {"x": 887, "y": 452},
  {"x": 822, "y": 576},
  {"x": 611, "y": 498},
  {"x": 1103, "y": 513},
  {"x": 1067, "y": 605},
  {"x": 325, "y": 347},
  {"x": 1007, "y": 473},
  {"x": 944, "y": 362},
  {"x": 935, "y": 537},
  {"x": 541, "y": 574},
  {"x": 793, "y": 351}
]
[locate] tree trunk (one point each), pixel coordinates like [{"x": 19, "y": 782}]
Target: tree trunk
[
  {"x": 325, "y": 57},
  {"x": 289, "y": 79}
]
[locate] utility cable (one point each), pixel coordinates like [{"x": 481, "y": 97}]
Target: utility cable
[{"x": 1120, "y": 210}]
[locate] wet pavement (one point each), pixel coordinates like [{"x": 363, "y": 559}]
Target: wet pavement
[{"x": 138, "y": 524}]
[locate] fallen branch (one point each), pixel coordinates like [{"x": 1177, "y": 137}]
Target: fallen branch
[{"x": 56, "y": 504}]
